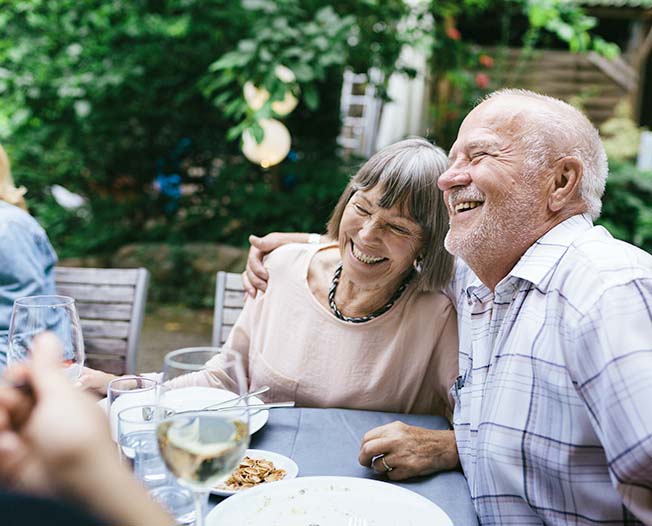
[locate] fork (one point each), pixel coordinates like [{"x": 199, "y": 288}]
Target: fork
[
  {"x": 234, "y": 401},
  {"x": 252, "y": 409},
  {"x": 256, "y": 408}
]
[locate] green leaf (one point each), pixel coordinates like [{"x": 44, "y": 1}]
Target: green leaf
[
  {"x": 229, "y": 60},
  {"x": 247, "y": 46},
  {"x": 257, "y": 132},
  {"x": 303, "y": 72},
  {"x": 311, "y": 97}
]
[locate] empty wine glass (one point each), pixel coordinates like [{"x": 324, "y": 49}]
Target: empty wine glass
[
  {"x": 128, "y": 391},
  {"x": 33, "y": 315},
  {"x": 202, "y": 447}
]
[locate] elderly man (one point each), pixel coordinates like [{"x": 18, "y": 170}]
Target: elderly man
[{"x": 553, "y": 420}]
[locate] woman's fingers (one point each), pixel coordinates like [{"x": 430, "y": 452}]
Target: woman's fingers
[{"x": 255, "y": 275}]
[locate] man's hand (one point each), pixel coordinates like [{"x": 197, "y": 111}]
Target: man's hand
[
  {"x": 410, "y": 450},
  {"x": 255, "y": 276}
]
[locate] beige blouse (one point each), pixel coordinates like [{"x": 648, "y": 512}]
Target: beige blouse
[{"x": 403, "y": 361}]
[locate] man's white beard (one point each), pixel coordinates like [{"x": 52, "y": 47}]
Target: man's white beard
[{"x": 495, "y": 236}]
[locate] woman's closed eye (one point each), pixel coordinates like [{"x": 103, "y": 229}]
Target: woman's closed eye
[
  {"x": 361, "y": 210},
  {"x": 399, "y": 230}
]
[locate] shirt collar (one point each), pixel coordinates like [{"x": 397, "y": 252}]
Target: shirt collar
[{"x": 539, "y": 261}]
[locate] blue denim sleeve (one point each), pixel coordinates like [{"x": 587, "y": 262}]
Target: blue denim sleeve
[{"x": 27, "y": 262}]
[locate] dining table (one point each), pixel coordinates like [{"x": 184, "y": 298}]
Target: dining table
[{"x": 326, "y": 442}]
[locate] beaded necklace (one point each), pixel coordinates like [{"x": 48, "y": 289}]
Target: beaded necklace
[{"x": 368, "y": 317}]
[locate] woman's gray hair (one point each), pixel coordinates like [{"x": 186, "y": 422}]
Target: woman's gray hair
[{"x": 407, "y": 172}]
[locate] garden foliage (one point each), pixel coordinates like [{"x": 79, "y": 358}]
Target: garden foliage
[
  {"x": 116, "y": 100},
  {"x": 138, "y": 105}
]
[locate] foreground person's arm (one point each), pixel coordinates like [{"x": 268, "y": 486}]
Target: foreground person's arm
[
  {"x": 57, "y": 443},
  {"x": 410, "y": 451}
]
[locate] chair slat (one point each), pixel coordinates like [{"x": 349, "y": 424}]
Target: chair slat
[
  {"x": 106, "y": 346},
  {"x": 104, "y": 311},
  {"x": 98, "y": 276},
  {"x": 233, "y": 298},
  {"x": 98, "y": 293},
  {"x": 230, "y": 316},
  {"x": 105, "y": 329},
  {"x": 234, "y": 281},
  {"x": 229, "y": 301}
]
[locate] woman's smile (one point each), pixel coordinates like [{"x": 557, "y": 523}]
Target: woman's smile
[{"x": 364, "y": 257}]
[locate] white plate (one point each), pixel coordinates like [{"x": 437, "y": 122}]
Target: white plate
[
  {"x": 280, "y": 462},
  {"x": 328, "y": 501},
  {"x": 184, "y": 399}
]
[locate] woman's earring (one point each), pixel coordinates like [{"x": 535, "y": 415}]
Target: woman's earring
[{"x": 417, "y": 263}]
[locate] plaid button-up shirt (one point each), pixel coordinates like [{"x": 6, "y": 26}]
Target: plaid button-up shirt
[{"x": 554, "y": 418}]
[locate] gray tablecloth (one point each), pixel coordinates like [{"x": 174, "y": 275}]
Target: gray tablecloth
[{"x": 327, "y": 442}]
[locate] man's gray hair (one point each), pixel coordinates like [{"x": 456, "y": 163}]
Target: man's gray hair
[
  {"x": 556, "y": 129},
  {"x": 407, "y": 172}
]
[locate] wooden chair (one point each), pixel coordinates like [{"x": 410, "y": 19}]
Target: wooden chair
[
  {"x": 229, "y": 301},
  {"x": 111, "y": 307}
]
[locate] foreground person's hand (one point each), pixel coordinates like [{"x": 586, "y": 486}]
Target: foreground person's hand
[
  {"x": 409, "y": 451},
  {"x": 255, "y": 276},
  {"x": 56, "y": 440}
]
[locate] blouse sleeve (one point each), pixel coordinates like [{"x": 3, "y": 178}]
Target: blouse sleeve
[
  {"x": 237, "y": 341},
  {"x": 443, "y": 366}
]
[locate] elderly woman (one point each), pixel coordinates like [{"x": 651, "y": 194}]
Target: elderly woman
[
  {"x": 26, "y": 257},
  {"x": 360, "y": 323}
]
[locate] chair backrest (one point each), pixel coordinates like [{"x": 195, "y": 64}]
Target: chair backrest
[
  {"x": 229, "y": 300},
  {"x": 111, "y": 307}
]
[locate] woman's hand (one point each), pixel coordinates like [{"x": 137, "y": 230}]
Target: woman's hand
[
  {"x": 255, "y": 276},
  {"x": 95, "y": 381},
  {"x": 410, "y": 451}
]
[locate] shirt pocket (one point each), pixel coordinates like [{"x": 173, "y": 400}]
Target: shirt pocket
[
  {"x": 282, "y": 387},
  {"x": 455, "y": 394}
]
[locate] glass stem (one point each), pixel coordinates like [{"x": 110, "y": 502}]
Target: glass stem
[{"x": 201, "y": 500}]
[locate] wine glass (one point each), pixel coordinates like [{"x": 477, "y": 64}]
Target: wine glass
[
  {"x": 137, "y": 441},
  {"x": 128, "y": 391},
  {"x": 201, "y": 447},
  {"x": 139, "y": 449},
  {"x": 33, "y": 315}
]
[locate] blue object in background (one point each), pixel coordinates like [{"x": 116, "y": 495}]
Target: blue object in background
[{"x": 168, "y": 181}]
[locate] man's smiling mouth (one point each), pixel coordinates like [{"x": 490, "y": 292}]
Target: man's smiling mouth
[{"x": 465, "y": 206}]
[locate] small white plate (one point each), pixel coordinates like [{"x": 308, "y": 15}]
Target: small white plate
[
  {"x": 184, "y": 399},
  {"x": 280, "y": 462},
  {"x": 328, "y": 501}
]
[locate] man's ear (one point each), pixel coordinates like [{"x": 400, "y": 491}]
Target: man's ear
[{"x": 565, "y": 189}]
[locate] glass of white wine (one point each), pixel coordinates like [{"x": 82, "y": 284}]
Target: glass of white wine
[{"x": 202, "y": 447}]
